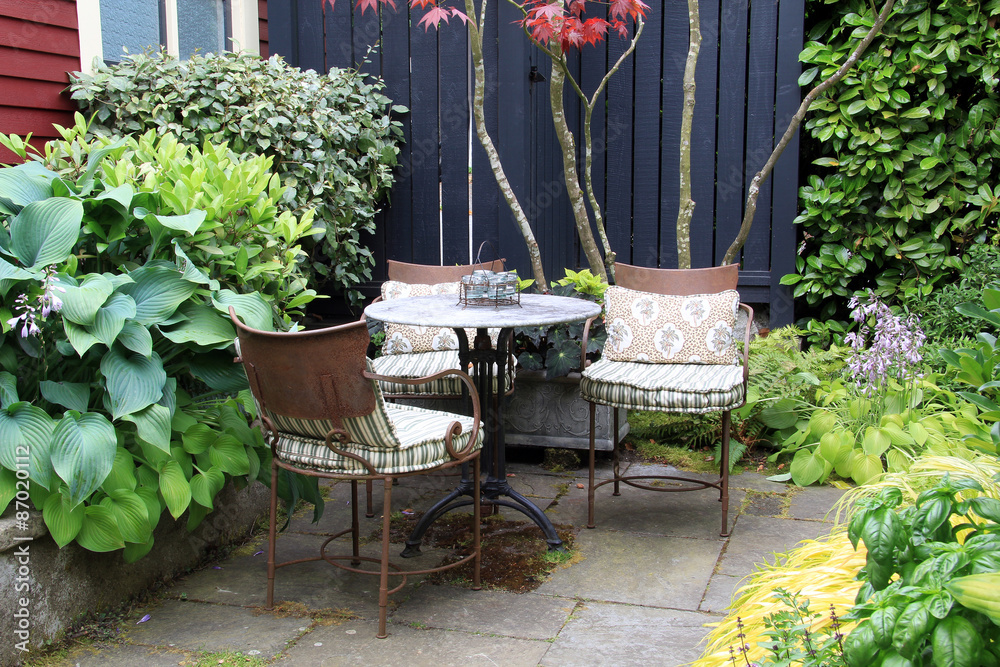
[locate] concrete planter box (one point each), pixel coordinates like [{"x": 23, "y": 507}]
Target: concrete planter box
[
  {"x": 550, "y": 413},
  {"x": 51, "y": 587}
]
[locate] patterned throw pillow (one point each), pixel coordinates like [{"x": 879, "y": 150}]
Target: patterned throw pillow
[
  {"x": 667, "y": 329},
  {"x": 406, "y": 339}
]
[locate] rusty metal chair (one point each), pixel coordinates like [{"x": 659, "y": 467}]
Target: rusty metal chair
[
  {"x": 646, "y": 366},
  {"x": 323, "y": 415}
]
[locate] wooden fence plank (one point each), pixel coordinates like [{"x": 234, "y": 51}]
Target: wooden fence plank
[
  {"x": 309, "y": 16},
  {"x": 674, "y": 49},
  {"x": 703, "y": 142},
  {"x": 486, "y": 198},
  {"x": 454, "y": 121},
  {"x": 730, "y": 130},
  {"x": 618, "y": 213},
  {"x": 646, "y": 153},
  {"x": 424, "y": 158}
]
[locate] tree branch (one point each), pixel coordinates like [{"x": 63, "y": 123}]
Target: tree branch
[{"x": 793, "y": 126}]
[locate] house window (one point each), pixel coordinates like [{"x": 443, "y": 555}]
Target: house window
[{"x": 108, "y": 28}]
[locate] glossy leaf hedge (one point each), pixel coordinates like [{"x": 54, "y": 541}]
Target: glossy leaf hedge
[
  {"x": 330, "y": 136},
  {"x": 119, "y": 397},
  {"x": 906, "y": 150}
]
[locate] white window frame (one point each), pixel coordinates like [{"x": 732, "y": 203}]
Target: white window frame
[{"x": 245, "y": 27}]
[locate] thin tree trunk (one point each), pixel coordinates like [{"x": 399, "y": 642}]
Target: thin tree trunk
[
  {"x": 685, "y": 209},
  {"x": 793, "y": 126},
  {"x": 571, "y": 176},
  {"x": 476, "y": 41}
]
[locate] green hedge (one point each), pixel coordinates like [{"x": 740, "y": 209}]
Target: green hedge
[
  {"x": 906, "y": 148},
  {"x": 330, "y": 135}
]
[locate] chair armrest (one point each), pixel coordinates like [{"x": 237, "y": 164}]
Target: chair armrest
[
  {"x": 584, "y": 341},
  {"x": 473, "y": 394}
]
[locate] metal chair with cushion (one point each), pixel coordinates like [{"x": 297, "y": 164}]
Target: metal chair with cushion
[
  {"x": 411, "y": 353},
  {"x": 670, "y": 348},
  {"x": 322, "y": 412}
]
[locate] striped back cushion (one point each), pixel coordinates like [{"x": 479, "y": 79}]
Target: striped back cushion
[
  {"x": 374, "y": 430},
  {"x": 666, "y": 329}
]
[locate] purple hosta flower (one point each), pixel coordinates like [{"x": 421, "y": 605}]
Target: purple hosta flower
[
  {"x": 885, "y": 346},
  {"x": 47, "y": 302}
]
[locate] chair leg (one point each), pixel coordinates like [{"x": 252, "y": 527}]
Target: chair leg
[
  {"x": 615, "y": 460},
  {"x": 355, "y": 524},
  {"x": 477, "y": 518},
  {"x": 383, "y": 587},
  {"x": 724, "y": 473},
  {"x": 272, "y": 530},
  {"x": 369, "y": 512},
  {"x": 590, "y": 471}
]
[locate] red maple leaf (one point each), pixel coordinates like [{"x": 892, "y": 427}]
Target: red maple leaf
[
  {"x": 631, "y": 8},
  {"x": 421, "y": 4},
  {"x": 577, "y": 6},
  {"x": 594, "y": 30},
  {"x": 434, "y": 16}
]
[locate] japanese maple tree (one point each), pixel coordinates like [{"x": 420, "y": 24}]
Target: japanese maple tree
[{"x": 556, "y": 27}]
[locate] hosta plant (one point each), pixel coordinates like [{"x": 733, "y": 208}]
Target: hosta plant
[
  {"x": 119, "y": 398},
  {"x": 877, "y": 418}
]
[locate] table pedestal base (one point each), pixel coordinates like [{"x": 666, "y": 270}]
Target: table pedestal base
[{"x": 491, "y": 490}]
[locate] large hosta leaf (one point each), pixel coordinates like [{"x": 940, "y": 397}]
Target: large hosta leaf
[
  {"x": 133, "y": 381},
  {"x": 26, "y": 430},
  {"x": 153, "y": 425},
  {"x": 175, "y": 488},
  {"x": 217, "y": 370},
  {"x": 63, "y": 520},
  {"x": 130, "y": 514},
  {"x": 229, "y": 455},
  {"x": 83, "y": 451},
  {"x": 204, "y": 486},
  {"x": 122, "y": 475},
  {"x": 44, "y": 232},
  {"x": 136, "y": 337},
  {"x": 204, "y": 326},
  {"x": 81, "y": 303},
  {"x": 22, "y": 184},
  {"x": 81, "y": 339},
  {"x": 111, "y": 318},
  {"x": 70, "y": 395},
  {"x": 8, "y": 389},
  {"x": 251, "y": 308},
  {"x": 189, "y": 222},
  {"x": 100, "y": 530},
  {"x": 158, "y": 289}
]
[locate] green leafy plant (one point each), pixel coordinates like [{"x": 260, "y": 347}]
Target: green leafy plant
[
  {"x": 881, "y": 417},
  {"x": 924, "y": 598},
  {"x": 907, "y": 152},
  {"x": 119, "y": 398},
  {"x": 330, "y": 137},
  {"x": 791, "y": 637},
  {"x": 556, "y": 349}
]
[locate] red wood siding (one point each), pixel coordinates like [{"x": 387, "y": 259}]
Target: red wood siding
[
  {"x": 39, "y": 44},
  {"x": 262, "y": 24}
]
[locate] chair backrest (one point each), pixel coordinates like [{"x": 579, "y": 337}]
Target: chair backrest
[
  {"x": 682, "y": 282},
  {"x": 309, "y": 374},
  {"x": 432, "y": 275}
]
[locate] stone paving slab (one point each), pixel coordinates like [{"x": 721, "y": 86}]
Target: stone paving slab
[
  {"x": 354, "y": 643},
  {"x": 816, "y": 503},
  {"x": 198, "y": 626},
  {"x": 613, "y": 634},
  {"x": 759, "y": 538},
  {"x": 696, "y": 514},
  {"x": 637, "y": 569},
  {"x": 488, "y": 612},
  {"x": 125, "y": 655},
  {"x": 317, "y": 585},
  {"x": 720, "y": 593}
]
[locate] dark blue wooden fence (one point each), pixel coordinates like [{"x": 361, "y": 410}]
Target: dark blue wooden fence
[{"x": 746, "y": 93}]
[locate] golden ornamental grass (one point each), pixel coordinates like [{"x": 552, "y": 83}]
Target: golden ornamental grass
[{"x": 823, "y": 570}]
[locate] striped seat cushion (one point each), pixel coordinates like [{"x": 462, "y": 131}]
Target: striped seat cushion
[
  {"x": 421, "y": 444},
  {"x": 421, "y": 364},
  {"x": 693, "y": 388}
]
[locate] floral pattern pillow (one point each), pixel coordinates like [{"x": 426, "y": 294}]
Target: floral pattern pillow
[
  {"x": 667, "y": 329},
  {"x": 406, "y": 339}
]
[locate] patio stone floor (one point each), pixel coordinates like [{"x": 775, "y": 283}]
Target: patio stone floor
[{"x": 647, "y": 581}]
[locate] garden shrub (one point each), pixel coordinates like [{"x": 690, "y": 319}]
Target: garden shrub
[
  {"x": 830, "y": 571},
  {"x": 907, "y": 150},
  {"x": 330, "y": 136},
  {"x": 119, "y": 398}
]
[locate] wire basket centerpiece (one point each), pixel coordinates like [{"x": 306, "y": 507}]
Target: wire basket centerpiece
[{"x": 489, "y": 288}]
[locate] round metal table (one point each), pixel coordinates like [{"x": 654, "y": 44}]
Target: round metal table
[{"x": 445, "y": 311}]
